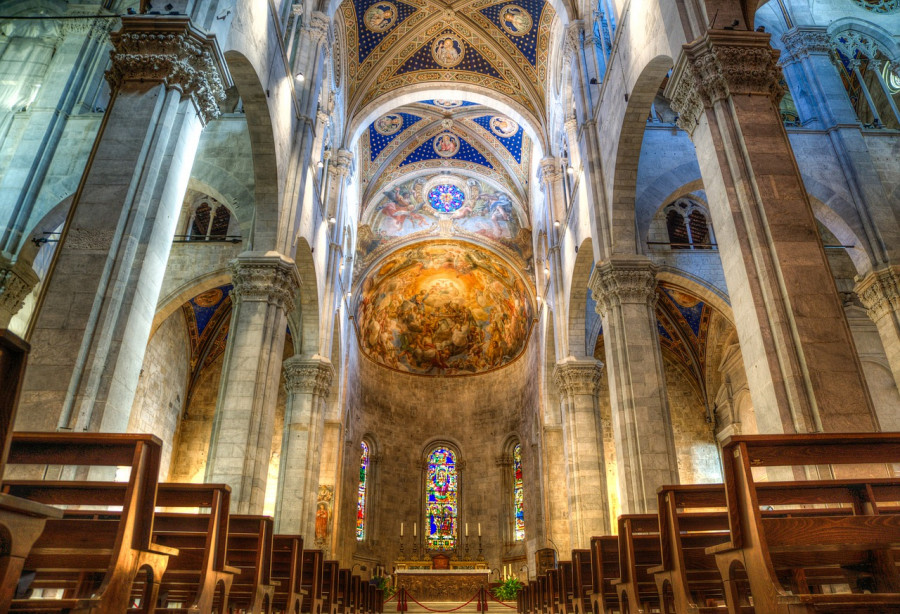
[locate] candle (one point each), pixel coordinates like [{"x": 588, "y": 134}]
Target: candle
[
  {"x": 479, "y": 529},
  {"x": 401, "y": 529},
  {"x": 415, "y": 528},
  {"x": 467, "y": 529}
]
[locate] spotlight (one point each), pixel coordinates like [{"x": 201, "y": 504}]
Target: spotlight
[
  {"x": 546, "y": 270},
  {"x": 570, "y": 170},
  {"x": 300, "y": 77},
  {"x": 331, "y": 220},
  {"x": 319, "y": 164},
  {"x": 556, "y": 224}
]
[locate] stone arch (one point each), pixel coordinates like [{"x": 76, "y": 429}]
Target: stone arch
[
  {"x": 304, "y": 320},
  {"x": 264, "y": 230},
  {"x": 883, "y": 39},
  {"x": 577, "y": 344},
  {"x": 665, "y": 189},
  {"x": 228, "y": 190},
  {"x": 826, "y": 204},
  {"x": 167, "y": 305},
  {"x": 623, "y": 226}
]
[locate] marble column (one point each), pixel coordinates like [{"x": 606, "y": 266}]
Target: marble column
[
  {"x": 625, "y": 290},
  {"x": 94, "y": 321},
  {"x": 308, "y": 382},
  {"x": 879, "y": 292},
  {"x": 265, "y": 289},
  {"x": 803, "y": 370},
  {"x": 577, "y": 381},
  {"x": 822, "y": 100}
]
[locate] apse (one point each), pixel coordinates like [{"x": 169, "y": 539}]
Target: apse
[{"x": 446, "y": 308}]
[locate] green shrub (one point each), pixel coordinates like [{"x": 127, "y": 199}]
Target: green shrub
[{"x": 509, "y": 590}]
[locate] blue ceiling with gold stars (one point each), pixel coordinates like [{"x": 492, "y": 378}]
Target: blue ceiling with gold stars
[
  {"x": 378, "y": 141},
  {"x": 472, "y": 60},
  {"x": 443, "y": 103},
  {"x": 512, "y": 143},
  {"x": 516, "y": 20},
  {"x": 387, "y": 15},
  {"x": 465, "y": 152}
]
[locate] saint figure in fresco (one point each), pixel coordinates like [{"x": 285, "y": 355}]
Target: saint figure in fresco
[
  {"x": 516, "y": 20},
  {"x": 447, "y": 52},
  {"x": 380, "y": 17},
  {"x": 321, "y": 522}
]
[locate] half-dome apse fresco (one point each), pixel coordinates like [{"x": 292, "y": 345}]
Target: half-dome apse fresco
[{"x": 444, "y": 308}]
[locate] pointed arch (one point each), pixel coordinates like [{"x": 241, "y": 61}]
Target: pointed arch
[{"x": 577, "y": 343}]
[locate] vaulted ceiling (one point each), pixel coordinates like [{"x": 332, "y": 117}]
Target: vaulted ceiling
[{"x": 498, "y": 45}]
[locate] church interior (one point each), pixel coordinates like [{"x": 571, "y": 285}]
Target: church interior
[{"x": 342, "y": 306}]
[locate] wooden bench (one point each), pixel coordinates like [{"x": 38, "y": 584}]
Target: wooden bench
[
  {"x": 250, "y": 542},
  {"x": 638, "y": 552},
  {"x": 331, "y": 571},
  {"x": 313, "y": 580},
  {"x": 21, "y": 521},
  {"x": 96, "y": 562},
  {"x": 566, "y": 588},
  {"x": 604, "y": 569},
  {"x": 287, "y": 572},
  {"x": 582, "y": 582},
  {"x": 856, "y": 548}
]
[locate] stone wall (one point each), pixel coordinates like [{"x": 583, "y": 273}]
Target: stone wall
[{"x": 162, "y": 386}]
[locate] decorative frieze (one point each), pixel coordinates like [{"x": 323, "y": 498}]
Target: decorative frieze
[
  {"x": 719, "y": 65},
  {"x": 578, "y": 377},
  {"x": 308, "y": 375},
  {"x": 170, "y": 51},
  {"x": 265, "y": 278},
  {"x": 623, "y": 281},
  {"x": 879, "y": 292}
]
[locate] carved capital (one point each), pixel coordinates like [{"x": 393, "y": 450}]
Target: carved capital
[
  {"x": 879, "y": 292},
  {"x": 264, "y": 278},
  {"x": 720, "y": 65},
  {"x": 548, "y": 170},
  {"x": 578, "y": 377},
  {"x": 623, "y": 281},
  {"x": 169, "y": 50},
  {"x": 342, "y": 164},
  {"x": 572, "y": 40},
  {"x": 16, "y": 283},
  {"x": 800, "y": 43},
  {"x": 308, "y": 375},
  {"x": 318, "y": 27}
]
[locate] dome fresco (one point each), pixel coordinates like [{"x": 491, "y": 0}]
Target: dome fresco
[{"x": 443, "y": 308}]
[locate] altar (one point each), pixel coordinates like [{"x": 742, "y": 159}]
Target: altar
[{"x": 442, "y": 584}]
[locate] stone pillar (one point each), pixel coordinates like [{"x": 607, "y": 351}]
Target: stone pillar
[
  {"x": 879, "y": 292},
  {"x": 308, "y": 382},
  {"x": 577, "y": 382},
  {"x": 803, "y": 370},
  {"x": 625, "y": 291},
  {"x": 339, "y": 171},
  {"x": 92, "y": 327},
  {"x": 551, "y": 183},
  {"x": 265, "y": 288}
]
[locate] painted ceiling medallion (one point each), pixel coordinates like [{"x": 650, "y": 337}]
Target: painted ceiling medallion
[
  {"x": 448, "y": 50},
  {"x": 380, "y": 16},
  {"x": 388, "y": 124},
  {"x": 447, "y": 104},
  {"x": 210, "y": 298},
  {"x": 446, "y": 198},
  {"x": 446, "y": 144},
  {"x": 515, "y": 20},
  {"x": 503, "y": 127}
]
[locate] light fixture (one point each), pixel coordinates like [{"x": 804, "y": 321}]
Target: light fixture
[
  {"x": 331, "y": 220},
  {"x": 349, "y": 294},
  {"x": 570, "y": 170},
  {"x": 300, "y": 77},
  {"x": 320, "y": 164},
  {"x": 556, "y": 224},
  {"x": 546, "y": 270},
  {"x": 538, "y": 299}
]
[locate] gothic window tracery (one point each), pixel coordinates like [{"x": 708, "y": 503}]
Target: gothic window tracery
[
  {"x": 688, "y": 226},
  {"x": 441, "y": 499},
  {"x": 210, "y": 221}
]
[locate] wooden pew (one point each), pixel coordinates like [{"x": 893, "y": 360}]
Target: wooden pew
[
  {"x": 582, "y": 582},
  {"x": 638, "y": 552},
  {"x": 330, "y": 577},
  {"x": 313, "y": 568},
  {"x": 343, "y": 591},
  {"x": 21, "y": 520},
  {"x": 552, "y": 597},
  {"x": 356, "y": 596},
  {"x": 250, "y": 542},
  {"x": 855, "y": 548},
  {"x": 566, "y": 587},
  {"x": 95, "y": 561},
  {"x": 604, "y": 569},
  {"x": 287, "y": 572}
]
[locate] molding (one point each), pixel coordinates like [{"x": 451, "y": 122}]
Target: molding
[
  {"x": 170, "y": 51},
  {"x": 801, "y": 42}
]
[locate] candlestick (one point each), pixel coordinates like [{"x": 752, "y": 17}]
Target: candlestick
[
  {"x": 480, "y": 553},
  {"x": 479, "y": 529}
]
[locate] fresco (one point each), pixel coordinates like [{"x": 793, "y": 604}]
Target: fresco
[
  {"x": 473, "y": 206},
  {"x": 443, "y": 308}
]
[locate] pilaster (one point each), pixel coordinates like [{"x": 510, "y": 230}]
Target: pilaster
[
  {"x": 577, "y": 381},
  {"x": 802, "y": 365},
  {"x": 625, "y": 291}
]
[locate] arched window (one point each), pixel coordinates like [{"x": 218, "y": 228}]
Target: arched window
[
  {"x": 687, "y": 225},
  {"x": 200, "y": 225},
  {"x": 210, "y": 221},
  {"x": 362, "y": 495},
  {"x": 518, "y": 495},
  {"x": 441, "y": 499}
]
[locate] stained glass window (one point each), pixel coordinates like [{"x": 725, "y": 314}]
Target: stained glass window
[
  {"x": 518, "y": 494},
  {"x": 446, "y": 198},
  {"x": 441, "y": 499},
  {"x": 361, "y": 498}
]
